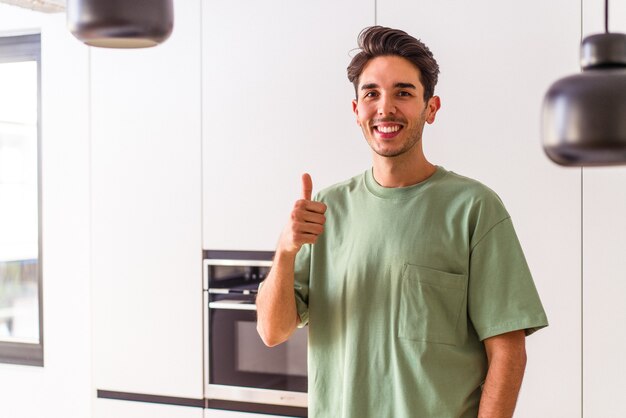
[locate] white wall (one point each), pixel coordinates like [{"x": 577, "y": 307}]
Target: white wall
[{"x": 62, "y": 386}]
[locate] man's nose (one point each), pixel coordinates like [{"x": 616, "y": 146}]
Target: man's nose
[{"x": 386, "y": 106}]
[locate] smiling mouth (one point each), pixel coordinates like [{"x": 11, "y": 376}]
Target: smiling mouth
[{"x": 387, "y": 130}]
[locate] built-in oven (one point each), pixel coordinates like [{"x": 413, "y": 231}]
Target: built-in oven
[{"x": 241, "y": 373}]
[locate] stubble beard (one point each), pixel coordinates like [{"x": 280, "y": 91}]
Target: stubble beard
[{"x": 414, "y": 136}]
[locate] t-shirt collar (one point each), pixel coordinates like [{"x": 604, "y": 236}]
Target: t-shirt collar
[{"x": 401, "y": 192}]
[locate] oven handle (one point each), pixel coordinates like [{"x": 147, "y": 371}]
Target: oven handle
[
  {"x": 220, "y": 291},
  {"x": 235, "y": 305}
]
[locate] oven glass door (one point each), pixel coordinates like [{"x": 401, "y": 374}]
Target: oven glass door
[{"x": 238, "y": 357}]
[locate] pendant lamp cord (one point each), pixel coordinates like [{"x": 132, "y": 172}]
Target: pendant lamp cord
[{"x": 606, "y": 16}]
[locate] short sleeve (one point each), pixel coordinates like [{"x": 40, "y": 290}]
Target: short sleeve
[
  {"x": 301, "y": 283},
  {"x": 502, "y": 296}
]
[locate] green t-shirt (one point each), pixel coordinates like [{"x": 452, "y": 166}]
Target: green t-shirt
[{"x": 400, "y": 290}]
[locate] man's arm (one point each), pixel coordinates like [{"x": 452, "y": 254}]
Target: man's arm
[
  {"x": 506, "y": 354},
  {"x": 277, "y": 316}
]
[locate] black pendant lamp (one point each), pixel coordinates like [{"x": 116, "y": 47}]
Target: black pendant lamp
[
  {"x": 121, "y": 23},
  {"x": 584, "y": 115}
]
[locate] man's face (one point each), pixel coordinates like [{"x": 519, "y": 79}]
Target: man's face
[{"x": 390, "y": 107}]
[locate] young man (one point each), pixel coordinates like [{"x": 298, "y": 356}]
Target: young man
[{"x": 410, "y": 277}]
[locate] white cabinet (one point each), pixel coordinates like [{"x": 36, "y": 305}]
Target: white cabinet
[
  {"x": 276, "y": 103},
  {"x": 604, "y": 264},
  {"x": 604, "y": 269},
  {"x": 497, "y": 59},
  {"x": 146, "y": 214},
  {"x": 108, "y": 408},
  {"x": 218, "y": 413}
]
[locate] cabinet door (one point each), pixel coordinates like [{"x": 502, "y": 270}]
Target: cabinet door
[
  {"x": 146, "y": 214},
  {"x": 108, "y": 408},
  {"x": 276, "y": 103},
  {"x": 497, "y": 60},
  {"x": 604, "y": 264},
  {"x": 220, "y": 413},
  {"x": 604, "y": 267}
]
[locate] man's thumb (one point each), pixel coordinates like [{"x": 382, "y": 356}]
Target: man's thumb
[{"x": 307, "y": 186}]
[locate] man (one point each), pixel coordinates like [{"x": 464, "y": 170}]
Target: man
[{"x": 410, "y": 277}]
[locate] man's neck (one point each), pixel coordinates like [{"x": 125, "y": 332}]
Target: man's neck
[{"x": 392, "y": 172}]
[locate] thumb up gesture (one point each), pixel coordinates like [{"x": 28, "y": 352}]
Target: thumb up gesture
[{"x": 306, "y": 222}]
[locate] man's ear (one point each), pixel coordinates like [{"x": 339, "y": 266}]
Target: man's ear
[
  {"x": 355, "y": 110},
  {"x": 432, "y": 107}
]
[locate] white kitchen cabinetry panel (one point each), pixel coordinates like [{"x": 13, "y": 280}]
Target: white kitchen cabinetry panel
[
  {"x": 604, "y": 270},
  {"x": 218, "y": 413},
  {"x": 605, "y": 312},
  {"x": 146, "y": 214},
  {"x": 109, "y": 408},
  {"x": 604, "y": 264},
  {"x": 276, "y": 103},
  {"x": 497, "y": 60}
]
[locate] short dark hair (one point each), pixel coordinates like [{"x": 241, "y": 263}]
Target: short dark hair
[{"x": 376, "y": 41}]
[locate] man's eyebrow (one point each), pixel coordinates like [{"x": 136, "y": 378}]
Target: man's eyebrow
[
  {"x": 369, "y": 86},
  {"x": 397, "y": 85}
]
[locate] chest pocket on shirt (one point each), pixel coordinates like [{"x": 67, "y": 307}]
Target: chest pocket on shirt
[{"x": 430, "y": 304}]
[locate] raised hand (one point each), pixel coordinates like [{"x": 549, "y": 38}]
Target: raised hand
[{"x": 306, "y": 222}]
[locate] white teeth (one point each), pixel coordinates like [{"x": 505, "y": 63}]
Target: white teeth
[{"x": 388, "y": 129}]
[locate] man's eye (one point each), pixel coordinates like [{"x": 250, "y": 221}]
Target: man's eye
[
  {"x": 404, "y": 94},
  {"x": 371, "y": 94}
]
